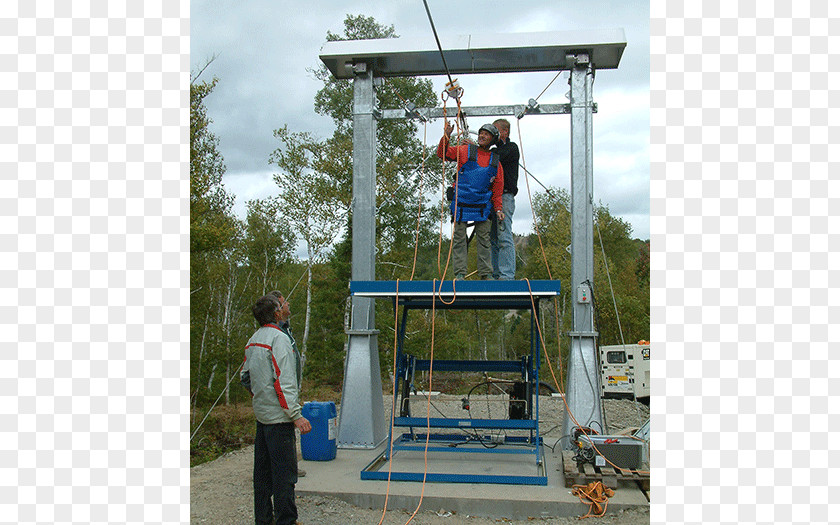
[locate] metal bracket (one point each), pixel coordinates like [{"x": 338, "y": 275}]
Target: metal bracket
[
  {"x": 412, "y": 113},
  {"x": 583, "y": 334},
  {"x": 361, "y": 332}
]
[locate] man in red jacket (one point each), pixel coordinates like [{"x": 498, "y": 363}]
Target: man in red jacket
[{"x": 477, "y": 193}]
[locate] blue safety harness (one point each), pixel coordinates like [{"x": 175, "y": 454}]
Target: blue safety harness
[{"x": 474, "y": 203}]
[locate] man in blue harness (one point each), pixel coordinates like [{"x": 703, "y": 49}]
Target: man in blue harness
[{"x": 477, "y": 192}]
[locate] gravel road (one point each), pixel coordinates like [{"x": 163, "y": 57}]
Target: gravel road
[{"x": 221, "y": 491}]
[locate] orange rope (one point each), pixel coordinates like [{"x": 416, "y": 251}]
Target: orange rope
[
  {"x": 393, "y": 403},
  {"x": 428, "y": 414},
  {"x": 442, "y": 275},
  {"x": 596, "y": 495},
  {"x": 531, "y": 202}
]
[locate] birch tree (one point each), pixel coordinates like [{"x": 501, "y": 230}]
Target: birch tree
[{"x": 309, "y": 201}]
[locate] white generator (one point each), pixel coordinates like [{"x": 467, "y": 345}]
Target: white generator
[{"x": 625, "y": 371}]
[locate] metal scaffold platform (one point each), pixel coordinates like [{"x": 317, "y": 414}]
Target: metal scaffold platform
[{"x": 461, "y": 455}]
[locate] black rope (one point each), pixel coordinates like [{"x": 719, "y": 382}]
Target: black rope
[{"x": 437, "y": 40}]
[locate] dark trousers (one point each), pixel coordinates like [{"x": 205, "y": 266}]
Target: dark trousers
[{"x": 275, "y": 473}]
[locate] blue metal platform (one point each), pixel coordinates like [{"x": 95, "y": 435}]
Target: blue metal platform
[
  {"x": 503, "y": 295},
  {"x": 466, "y": 295}
]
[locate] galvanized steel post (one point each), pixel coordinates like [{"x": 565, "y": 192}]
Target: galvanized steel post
[
  {"x": 361, "y": 421},
  {"x": 583, "y": 391}
]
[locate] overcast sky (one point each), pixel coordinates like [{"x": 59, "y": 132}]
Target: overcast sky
[{"x": 264, "y": 49}]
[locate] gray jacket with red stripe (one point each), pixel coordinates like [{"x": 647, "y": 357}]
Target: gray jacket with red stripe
[{"x": 271, "y": 373}]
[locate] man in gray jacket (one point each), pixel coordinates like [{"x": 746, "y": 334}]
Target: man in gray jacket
[{"x": 272, "y": 374}]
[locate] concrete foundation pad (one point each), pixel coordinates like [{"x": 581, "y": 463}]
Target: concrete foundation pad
[{"x": 341, "y": 478}]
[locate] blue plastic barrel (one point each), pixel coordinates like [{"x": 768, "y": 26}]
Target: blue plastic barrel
[{"x": 320, "y": 443}]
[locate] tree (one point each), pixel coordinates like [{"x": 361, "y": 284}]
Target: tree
[
  {"x": 269, "y": 241},
  {"x": 310, "y": 201},
  {"x": 211, "y": 222},
  {"x": 399, "y": 195},
  {"x": 399, "y": 154},
  {"x": 621, "y": 279},
  {"x": 212, "y": 233}
]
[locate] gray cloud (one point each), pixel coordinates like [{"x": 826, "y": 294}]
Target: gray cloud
[{"x": 265, "y": 49}]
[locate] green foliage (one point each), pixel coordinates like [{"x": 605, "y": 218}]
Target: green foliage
[
  {"x": 268, "y": 240},
  {"x": 621, "y": 268},
  {"x": 310, "y": 201},
  {"x": 227, "y": 428},
  {"x": 211, "y": 224}
]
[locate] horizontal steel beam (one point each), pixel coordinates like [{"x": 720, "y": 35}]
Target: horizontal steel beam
[
  {"x": 479, "y": 111},
  {"x": 484, "y": 365},
  {"x": 452, "y": 422}
]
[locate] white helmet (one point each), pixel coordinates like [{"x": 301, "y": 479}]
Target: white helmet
[{"x": 490, "y": 128}]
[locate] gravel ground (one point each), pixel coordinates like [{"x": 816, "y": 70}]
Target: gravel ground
[{"x": 221, "y": 491}]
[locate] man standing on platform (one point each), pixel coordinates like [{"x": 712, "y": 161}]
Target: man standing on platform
[{"x": 503, "y": 252}]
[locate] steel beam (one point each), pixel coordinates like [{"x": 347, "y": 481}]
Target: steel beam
[
  {"x": 361, "y": 422},
  {"x": 583, "y": 391},
  {"x": 479, "y": 53},
  {"x": 479, "y": 111}
]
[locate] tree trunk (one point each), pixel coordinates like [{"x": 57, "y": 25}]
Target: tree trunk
[
  {"x": 265, "y": 275},
  {"x": 308, "y": 307},
  {"x": 200, "y": 357},
  {"x": 210, "y": 381},
  {"x": 227, "y": 384},
  {"x": 226, "y": 313}
]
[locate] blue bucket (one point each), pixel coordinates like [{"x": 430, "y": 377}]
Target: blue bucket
[{"x": 319, "y": 444}]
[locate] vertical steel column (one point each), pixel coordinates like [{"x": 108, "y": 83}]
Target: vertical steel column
[
  {"x": 361, "y": 421},
  {"x": 583, "y": 391}
]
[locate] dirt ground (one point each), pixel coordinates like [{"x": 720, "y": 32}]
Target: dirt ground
[{"x": 221, "y": 491}]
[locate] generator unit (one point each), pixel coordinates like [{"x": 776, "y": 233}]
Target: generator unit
[
  {"x": 621, "y": 451},
  {"x": 625, "y": 371}
]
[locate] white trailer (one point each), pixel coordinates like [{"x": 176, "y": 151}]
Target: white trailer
[{"x": 625, "y": 371}]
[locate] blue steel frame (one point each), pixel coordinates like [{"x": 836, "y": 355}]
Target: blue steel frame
[{"x": 462, "y": 295}]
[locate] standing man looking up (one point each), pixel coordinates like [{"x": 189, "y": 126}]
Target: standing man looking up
[
  {"x": 476, "y": 196},
  {"x": 271, "y": 373},
  {"x": 502, "y": 249}
]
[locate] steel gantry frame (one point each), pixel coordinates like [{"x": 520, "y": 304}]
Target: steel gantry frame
[{"x": 361, "y": 420}]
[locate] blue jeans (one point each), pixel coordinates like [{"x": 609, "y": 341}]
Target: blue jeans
[
  {"x": 275, "y": 473},
  {"x": 502, "y": 251}
]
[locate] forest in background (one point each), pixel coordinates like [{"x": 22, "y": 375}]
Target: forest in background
[{"x": 235, "y": 261}]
